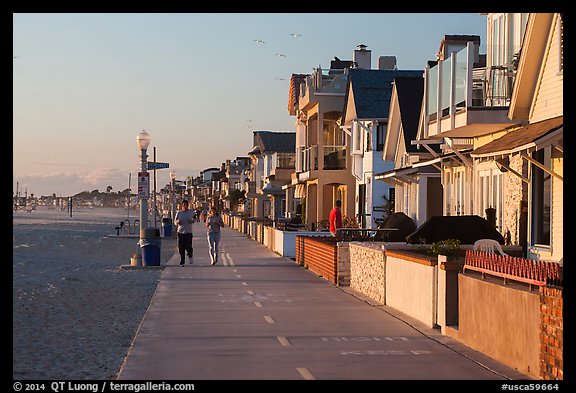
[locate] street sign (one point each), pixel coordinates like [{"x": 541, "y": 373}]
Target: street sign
[
  {"x": 157, "y": 165},
  {"x": 179, "y": 187},
  {"x": 143, "y": 185}
]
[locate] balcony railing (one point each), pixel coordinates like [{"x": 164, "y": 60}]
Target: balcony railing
[
  {"x": 334, "y": 157},
  {"x": 454, "y": 83},
  {"x": 323, "y": 77},
  {"x": 309, "y": 158},
  {"x": 283, "y": 160}
]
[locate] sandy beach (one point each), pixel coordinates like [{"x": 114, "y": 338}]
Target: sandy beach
[{"x": 75, "y": 310}]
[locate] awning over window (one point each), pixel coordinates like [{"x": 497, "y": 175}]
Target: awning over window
[
  {"x": 533, "y": 136},
  {"x": 300, "y": 191}
]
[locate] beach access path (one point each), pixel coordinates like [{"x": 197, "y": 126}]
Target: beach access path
[{"x": 258, "y": 316}]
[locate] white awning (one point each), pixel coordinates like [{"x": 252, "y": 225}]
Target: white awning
[{"x": 300, "y": 191}]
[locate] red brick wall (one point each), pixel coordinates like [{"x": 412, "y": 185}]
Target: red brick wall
[
  {"x": 300, "y": 250},
  {"x": 319, "y": 254},
  {"x": 551, "y": 333}
]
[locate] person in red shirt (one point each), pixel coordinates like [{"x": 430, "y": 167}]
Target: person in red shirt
[{"x": 335, "y": 218}]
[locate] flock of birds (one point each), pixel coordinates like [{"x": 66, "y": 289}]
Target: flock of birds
[
  {"x": 259, "y": 41},
  {"x": 295, "y": 35}
]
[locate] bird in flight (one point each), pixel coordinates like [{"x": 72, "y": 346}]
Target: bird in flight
[
  {"x": 259, "y": 41},
  {"x": 295, "y": 35},
  {"x": 280, "y": 55}
]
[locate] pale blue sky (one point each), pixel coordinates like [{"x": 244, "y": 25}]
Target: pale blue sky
[{"x": 84, "y": 85}]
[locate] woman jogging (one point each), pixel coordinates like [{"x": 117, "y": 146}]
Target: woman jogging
[{"x": 214, "y": 223}]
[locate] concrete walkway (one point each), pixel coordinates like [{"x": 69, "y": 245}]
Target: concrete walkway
[{"x": 258, "y": 316}]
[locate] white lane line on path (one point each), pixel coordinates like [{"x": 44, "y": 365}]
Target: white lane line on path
[
  {"x": 269, "y": 319},
  {"x": 283, "y": 341},
  {"x": 251, "y": 292},
  {"x": 239, "y": 276},
  {"x": 230, "y": 259},
  {"x": 244, "y": 283},
  {"x": 258, "y": 304},
  {"x": 235, "y": 270},
  {"x": 306, "y": 374}
]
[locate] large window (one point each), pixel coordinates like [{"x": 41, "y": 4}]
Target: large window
[
  {"x": 541, "y": 198},
  {"x": 490, "y": 194}
]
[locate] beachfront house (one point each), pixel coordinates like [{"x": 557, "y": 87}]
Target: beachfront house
[
  {"x": 418, "y": 191},
  {"x": 365, "y": 119},
  {"x": 531, "y": 157},
  {"x": 233, "y": 182},
  {"x": 466, "y": 98},
  {"x": 263, "y": 191},
  {"x": 279, "y": 157},
  {"x": 322, "y": 174}
]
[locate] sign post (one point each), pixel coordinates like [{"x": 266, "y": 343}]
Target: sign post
[{"x": 143, "y": 185}]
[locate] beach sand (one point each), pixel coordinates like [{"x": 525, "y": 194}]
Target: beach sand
[{"x": 75, "y": 310}]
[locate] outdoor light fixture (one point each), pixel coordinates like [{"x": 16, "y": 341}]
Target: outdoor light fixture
[{"x": 143, "y": 140}]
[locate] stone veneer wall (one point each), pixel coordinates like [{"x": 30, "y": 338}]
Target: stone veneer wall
[
  {"x": 367, "y": 270},
  {"x": 551, "y": 334},
  {"x": 343, "y": 264},
  {"x": 515, "y": 191}
]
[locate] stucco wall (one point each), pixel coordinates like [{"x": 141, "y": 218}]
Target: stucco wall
[
  {"x": 411, "y": 286},
  {"x": 367, "y": 270},
  {"x": 500, "y": 321}
]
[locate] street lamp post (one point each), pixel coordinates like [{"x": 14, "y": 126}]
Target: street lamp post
[
  {"x": 143, "y": 140},
  {"x": 173, "y": 196}
]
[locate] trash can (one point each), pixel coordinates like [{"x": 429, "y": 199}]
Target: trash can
[
  {"x": 150, "y": 243},
  {"x": 166, "y": 227}
]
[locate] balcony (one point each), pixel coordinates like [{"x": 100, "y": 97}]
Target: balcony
[
  {"x": 283, "y": 164},
  {"x": 330, "y": 82},
  {"x": 464, "y": 101},
  {"x": 334, "y": 157},
  {"x": 308, "y": 158}
]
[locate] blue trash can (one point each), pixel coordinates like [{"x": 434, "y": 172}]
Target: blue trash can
[
  {"x": 150, "y": 251},
  {"x": 166, "y": 227}
]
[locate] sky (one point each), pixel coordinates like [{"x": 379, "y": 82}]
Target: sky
[{"x": 86, "y": 84}]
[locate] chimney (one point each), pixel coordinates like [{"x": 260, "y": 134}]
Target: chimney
[
  {"x": 387, "y": 63},
  {"x": 362, "y": 57}
]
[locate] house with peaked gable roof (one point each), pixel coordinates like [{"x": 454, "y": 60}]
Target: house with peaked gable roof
[
  {"x": 531, "y": 157},
  {"x": 279, "y": 158},
  {"x": 466, "y": 100},
  {"x": 365, "y": 118},
  {"x": 273, "y": 158},
  {"x": 418, "y": 191},
  {"x": 322, "y": 169}
]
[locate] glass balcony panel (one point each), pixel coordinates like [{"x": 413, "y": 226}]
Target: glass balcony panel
[
  {"x": 334, "y": 157},
  {"x": 446, "y": 79},
  {"x": 461, "y": 77},
  {"x": 285, "y": 160},
  {"x": 432, "y": 90}
]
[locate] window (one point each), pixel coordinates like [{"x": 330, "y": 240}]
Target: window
[
  {"x": 541, "y": 198},
  {"x": 369, "y": 141},
  {"x": 406, "y": 206},
  {"x": 356, "y": 138},
  {"x": 459, "y": 192},
  {"x": 490, "y": 194},
  {"x": 380, "y": 136}
]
